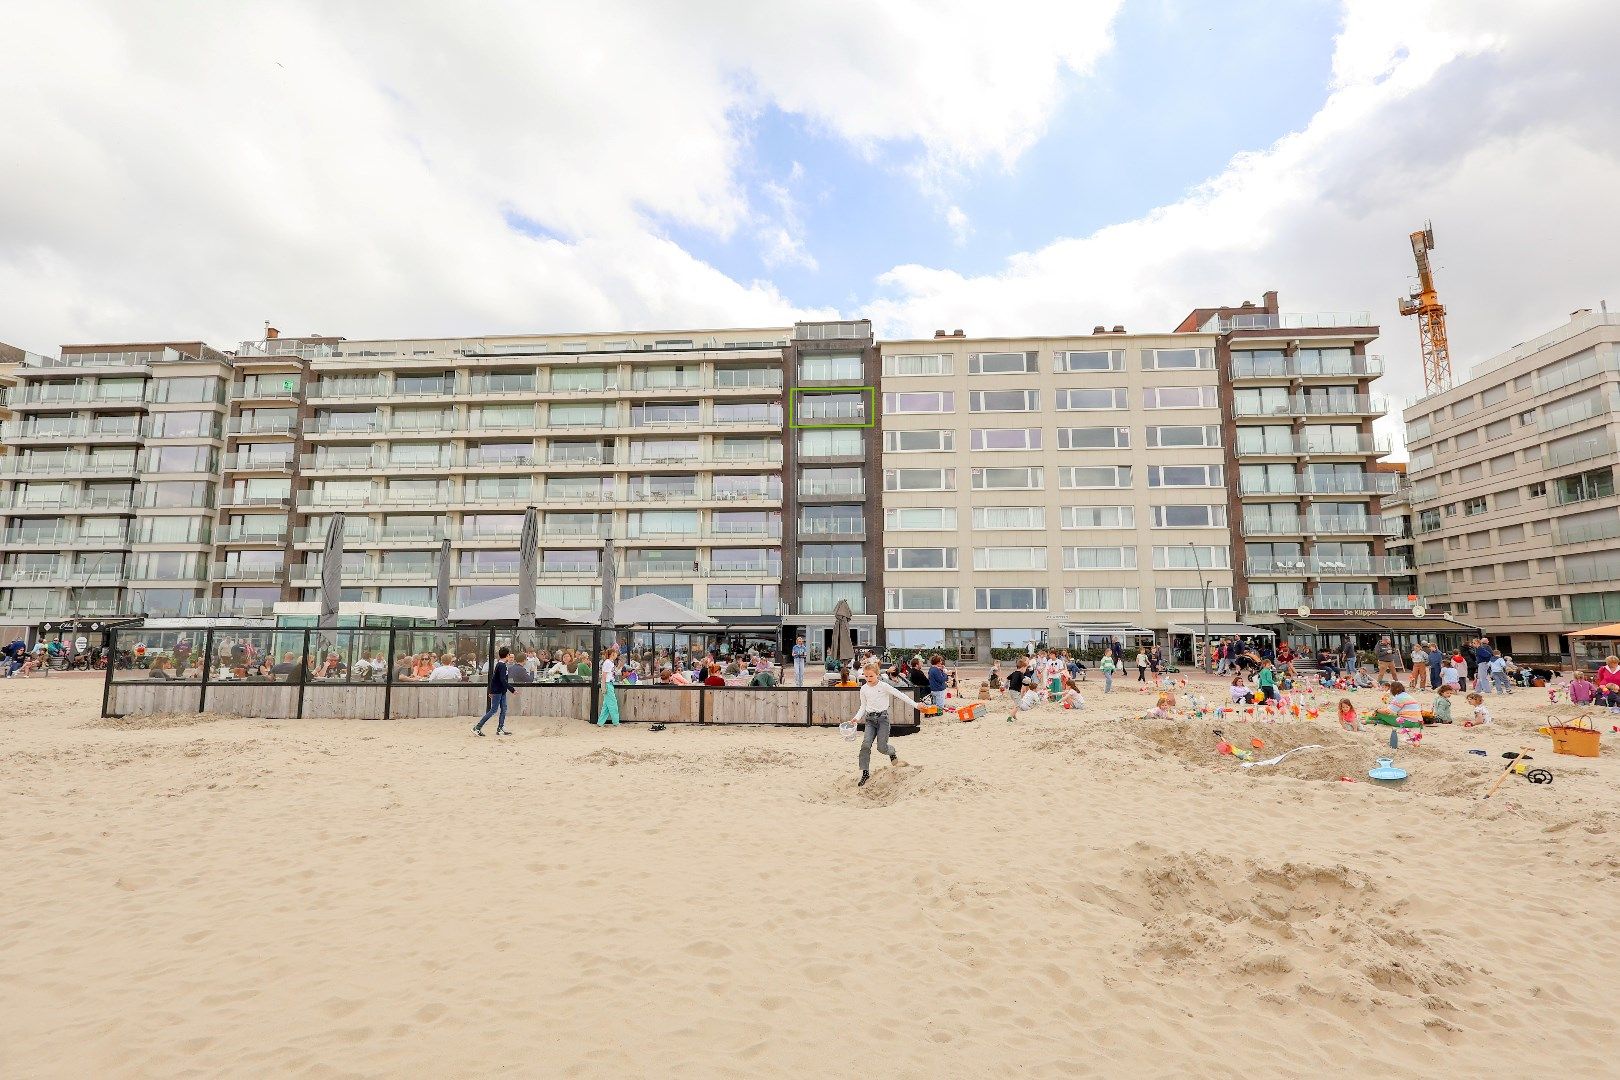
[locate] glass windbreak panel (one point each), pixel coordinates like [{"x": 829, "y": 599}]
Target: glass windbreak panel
[
  {"x": 546, "y": 654},
  {"x": 167, "y": 655},
  {"x": 348, "y": 656},
  {"x": 260, "y": 656},
  {"x": 441, "y": 656}
]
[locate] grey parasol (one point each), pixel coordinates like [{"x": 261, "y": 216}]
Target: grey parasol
[
  {"x": 332, "y": 572},
  {"x": 442, "y": 593},
  {"x": 528, "y": 556},
  {"x": 610, "y": 584},
  {"x": 841, "y": 619}
]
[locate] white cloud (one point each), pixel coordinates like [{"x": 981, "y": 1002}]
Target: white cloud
[
  {"x": 190, "y": 169},
  {"x": 1495, "y": 119}
]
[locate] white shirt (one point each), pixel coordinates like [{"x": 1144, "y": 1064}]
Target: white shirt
[
  {"x": 445, "y": 673},
  {"x": 875, "y": 698}
]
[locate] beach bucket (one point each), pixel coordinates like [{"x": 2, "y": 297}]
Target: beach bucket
[
  {"x": 847, "y": 730},
  {"x": 967, "y": 712},
  {"x": 1577, "y": 738}
]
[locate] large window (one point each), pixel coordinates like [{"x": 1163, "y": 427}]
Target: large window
[
  {"x": 1090, "y": 599},
  {"x": 1095, "y": 476},
  {"x": 919, "y": 598},
  {"x": 1009, "y": 599},
  {"x": 929, "y": 401},
  {"x": 185, "y": 425},
  {"x": 1180, "y": 436},
  {"x": 1009, "y": 558},
  {"x": 1099, "y": 558},
  {"x": 919, "y": 479},
  {"x": 831, "y": 443},
  {"x": 583, "y": 378},
  {"x": 821, "y": 597},
  {"x": 983, "y": 401},
  {"x": 178, "y": 493},
  {"x": 927, "y": 440},
  {"x": 906, "y": 364},
  {"x": 1218, "y": 598},
  {"x": 919, "y": 558},
  {"x": 1179, "y": 397},
  {"x": 1196, "y": 516},
  {"x": 1009, "y": 517},
  {"x": 576, "y": 415},
  {"x": 1203, "y": 557},
  {"x": 1099, "y": 517},
  {"x": 1006, "y": 438},
  {"x": 1094, "y": 438},
  {"x": 1078, "y": 399},
  {"x": 1090, "y": 360},
  {"x": 1002, "y": 363},
  {"x": 842, "y": 367},
  {"x": 919, "y": 518},
  {"x": 1177, "y": 359},
  {"x": 1031, "y": 478},
  {"x": 1186, "y": 476}
]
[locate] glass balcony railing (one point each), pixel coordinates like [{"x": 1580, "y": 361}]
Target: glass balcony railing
[
  {"x": 854, "y": 566},
  {"x": 1311, "y": 405}
]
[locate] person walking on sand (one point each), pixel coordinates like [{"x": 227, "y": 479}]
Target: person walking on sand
[
  {"x": 610, "y": 697},
  {"x": 799, "y": 654},
  {"x": 500, "y": 684},
  {"x": 876, "y": 700},
  {"x": 1141, "y": 664},
  {"x": 1106, "y": 666}
]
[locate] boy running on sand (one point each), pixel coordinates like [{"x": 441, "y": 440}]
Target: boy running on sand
[{"x": 875, "y": 698}]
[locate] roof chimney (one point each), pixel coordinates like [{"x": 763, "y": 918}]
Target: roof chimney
[
  {"x": 1269, "y": 299},
  {"x": 1119, "y": 329},
  {"x": 957, "y": 333},
  {"x": 1247, "y": 304},
  {"x": 1099, "y": 329},
  {"x": 939, "y": 333},
  {"x": 271, "y": 333}
]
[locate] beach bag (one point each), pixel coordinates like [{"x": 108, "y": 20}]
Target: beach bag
[{"x": 1577, "y": 738}]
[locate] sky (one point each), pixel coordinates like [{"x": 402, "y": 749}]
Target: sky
[{"x": 197, "y": 170}]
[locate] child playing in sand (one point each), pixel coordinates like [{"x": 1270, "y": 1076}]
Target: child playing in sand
[
  {"x": 1072, "y": 698},
  {"x": 876, "y": 700},
  {"x": 1581, "y": 689},
  {"x": 1482, "y": 715},
  {"x": 1349, "y": 719},
  {"x": 1239, "y": 690},
  {"x": 1440, "y": 711},
  {"x": 1106, "y": 666},
  {"x": 1033, "y": 695},
  {"x": 1407, "y": 709}
]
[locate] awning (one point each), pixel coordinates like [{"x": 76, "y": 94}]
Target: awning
[
  {"x": 1221, "y": 629},
  {"x": 1607, "y": 630},
  {"x": 1107, "y": 630},
  {"x": 1392, "y": 623}
]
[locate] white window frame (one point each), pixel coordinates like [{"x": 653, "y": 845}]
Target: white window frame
[
  {"x": 1035, "y": 474},
  {"x": 1064, "y": 401},
  {"x": 1220, "y": 598},
  {"x": 893, "y": 515},
  {"x": 1028, "y": 363},
  {"x": 894, "y": 560},
  {"x": 976, "y": 398},
  {"x": 1203, "y": 359},
  {"x": 1061, "y": 363},
  {"x": 950, "y": 597},
  {"x": 1209, "y": 433},
  {"x": 1130, "y": 597},
  {"x": 981, "y": 514},
  {"x": 946, "y": 441},
  {"x": 945, "y": 478},
  {"x": 1126, "y": 552},
  {"x": 985, "y": 557},
  {"x": 1068, "y": 474},
  {"x": 1033, "y": 440},
  {"x": 945, "y": 363},
  {"x": 1125, "y": 514},
  {"x": 1038, "y": 596},
  {"x": 1216, "y": 511},
  {"x": 1122, "y": 438},
  {"x": 944, "y": 402},
  {"x": 1214, "y": 476},
  {"x": 1208, "y": 398}
]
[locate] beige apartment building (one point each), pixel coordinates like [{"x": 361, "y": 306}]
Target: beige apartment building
[
  {"x": 1059, "y": 489},
  {"x": 1515, "y": 517}
]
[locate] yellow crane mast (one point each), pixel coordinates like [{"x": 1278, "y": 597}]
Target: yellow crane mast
[{"x": 1425, "y": 304}]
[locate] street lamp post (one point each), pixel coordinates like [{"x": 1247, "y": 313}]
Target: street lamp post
[{"x": 1203, "y": 599}]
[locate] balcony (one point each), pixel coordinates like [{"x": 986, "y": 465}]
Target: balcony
[
  {"x": 1326, "y": 566},
  {"x": 1363, "y": 484},
  {"x": 50, "y": 394},
  {"x": 18, "y": 503},
  {"x": 64, "y": 572},
  {"x": 673, "y": 417},
  {"x": 1562, "y": 416},
  {"x": 61, "y": 607},
  {"x": 124, "y": 363},
  {"x": 277, "y": 535},
  {"x": 746, "y": 379},
  {"x": 822, "y": 488},
  {"x": 509, "y": 385},
  {"x": 1390, "y": 602},
  {"x": 1607, "y": 569},
  {"x": 73, "y": 429},
  {"x": 64, "y": 535},
  {"x": 1313, "y": 405},
  {"x": 765, "y": 569},
  {"x": 811, "y": 409},
  {"x": 855, "y": 452},
  {"x": 233, "y": 500},
  {"x": 356, "y": 424},
  {"x": 664, "y": 380},
  {"x": 1261, "y": 320},
  {"x": 595, "y": 456},
  {"x": 73, "y": 465},
  {"x": 349, "y": 390},
  {"x": 1294, "y": 368},
  {"x": 1586, "y": 447},
  {"x": 273, "y": 390},
  {"x": 1351, "y": 525},
  {"x": 1289, "y": 484},
  {"x": 1313, "y": 446},
  {"x": 1292, "y": 526},
  {"x": 832, "y": 527},
  {"x": 853, "y": 567},
  {"x": 247, "y": 572},
  {"x": 240, "y": 462},
  {"x": 260, "y": 425},
  {"x": 1586, "y": 532}
]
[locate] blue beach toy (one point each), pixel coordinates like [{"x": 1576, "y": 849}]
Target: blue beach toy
[{"x": 1386, "y": 770}]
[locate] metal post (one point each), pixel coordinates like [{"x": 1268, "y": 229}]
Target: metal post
[
  {"x": 207, "y": 656},
  {"x": 112, "y": 662},
  {"x": 302, "y": 671},
  {"x": 596, "y": 686},
  {"x": 388, "y": 675},
  {"x": 1203, "y": 599}
]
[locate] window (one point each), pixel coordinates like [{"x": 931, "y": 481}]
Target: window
[
  {"x": 191, "y": 390},
  {"x": 1597, "y": 484},
  {"x": 919, "y": 558},
  {"x": 1179, "y": 397},
  {"x": 1537, "y": 490},
  {"x": 919, "y": 598},
  {"x": 1177, "y": 359},
  {"x": 1494, "y": 394},
  {"x": 1009, "y": 599},
  {"x": 1002, "y": 363},
  {"x": 1527, "y": 418},
  {"x": 1418, "y": 428},
  {"x": 1479, "y": 541},
  {"x": 1099, "y": 517},
  {"x": 1005, "y": 438},
  {"x": 1501, "y": 464},
  {"x": 920, "y": 518},
  {"x": 186, "y": 425},
  {"x": 828, "y": 444},
  {"x": 1210, "y": 557},
  {"x": 1090, "y": 360},
  {"x": 1195, "y": 516},
  {"x": 1218, "y": 598},
  {"x": 1421, "y": 460},
  {"x": 1516, "y": 571},
  {"x": 928, "y": 440},
  {"x": 1095, "y": 476},
  {"x": 1167, "y": 437},
  {"x": 1462, "y": 407},
  {"x": 1081, "y": 400},
  {"x": 178, "y": 493},
  {"x": 1510, "y": 534},
  {"x": 174, "y": 459},
  {"x": 584, "y": 378},
  {"x": 576, "y": 415},
  {"x": 1094, "y": 438},
  {"x": 908, "y": 364},
  {"x": 1009, "y": 558},
  {"x": 919, "y": 479},
  {"x": 982, "y": 401},
  {"x": 1031, "y": 478},
  {"x": 1552, "y": 603},
  {"x": 1084, "y": 599},
  {"x": 1501, "y": 429},
  {"x": 1099, "y": 558},
  {"x": 1009, "y": 518},
  {"x": 845, "y": 368},
  {"x": 1185, "y": 476},
  {"x": 1469, "y": 473},
  {"x": 1480, "y": 575},
  {"x": 932, "y": 401},
  {"x": 1473, "y": 506},
  {"x": 1466, "y": 439}
]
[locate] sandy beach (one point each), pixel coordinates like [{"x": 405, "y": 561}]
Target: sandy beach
[{"x": 1067, "y": 894}]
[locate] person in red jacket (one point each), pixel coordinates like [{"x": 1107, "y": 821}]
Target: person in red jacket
[{"x": 1608, "y": 683}]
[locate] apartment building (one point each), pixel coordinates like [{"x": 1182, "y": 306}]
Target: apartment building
[
  {"x": 1058, "y": 489},
  {"x": 1311, "y": 534},
  {"x": 1515, "y": 515}
]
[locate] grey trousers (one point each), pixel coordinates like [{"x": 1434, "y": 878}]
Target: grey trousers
[{"x": 877, "y": 729}]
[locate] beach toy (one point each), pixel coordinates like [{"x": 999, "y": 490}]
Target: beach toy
[
  {"x": 1279, "y": 757},
  {"x": 967, "y": 712},
  {"x": 1386, "y": 771},
  {"x": 1258, "y": 744},
  {"x": 1223, "y": 747},
  {"x": 847, "y": 730},
  {"x": 1481, "y": 753},
  {"x": 1243, "y": 755}
]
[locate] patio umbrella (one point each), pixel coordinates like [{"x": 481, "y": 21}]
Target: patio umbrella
[
  {"x": 841, "y": 618},
  {"x": 528, "y": 555},
  {"x": 443, "y": 591},
  {"x": 332, "y": 572},
  {"x": 609, "y": 713}
]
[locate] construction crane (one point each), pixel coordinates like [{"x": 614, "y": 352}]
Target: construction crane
[{"x": 1425, "y": 304}]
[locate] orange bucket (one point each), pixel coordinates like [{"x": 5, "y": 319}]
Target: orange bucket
[
  {"x": 968, "y": 712},
  {"x": 1577, "y": 738}
]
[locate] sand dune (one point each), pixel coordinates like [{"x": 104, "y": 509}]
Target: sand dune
[{"x": 1068, "y": 894}]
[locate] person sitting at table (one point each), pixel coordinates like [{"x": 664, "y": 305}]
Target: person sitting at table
[
  {"x": 714, "y": 677},
  {"x": 423, "y": 666},
  {"x": 286, "y": 668},
  {"x": 160, "y": 669},
  {"x": 445, "y": 670}
]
